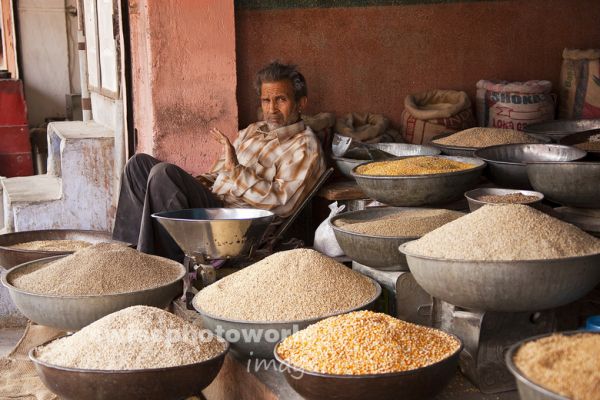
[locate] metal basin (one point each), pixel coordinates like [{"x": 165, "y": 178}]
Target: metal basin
[
  {"x": 582, "y": 137},
  {"x": 150, "y": 384},
  {"x": 464, "y": 151},
  {"x": 506, "y": 163},
  {"x": 421, "y": 190},
  {"x": 421, "y": 383},
  {"x": 357, "y": 156},
  {"x": 574, "y": 184},
  {"x": 258, "y": 339},
  {"x": 510, "y": 286},
  {"x": 558, "y": 129},
  {"x": 216, "y": 233},
  {"x": 473, "y": 196},
  {"x": 10, "y": 257},
  {"x": 72, "y": 313},
  {"x": 380, "y": 252},
  {"x": 528, "y": 390}
]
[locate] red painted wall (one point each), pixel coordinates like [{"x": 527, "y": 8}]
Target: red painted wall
[
  {"x": 184, "y": 78},
  {"x": 370, "y": 58}
]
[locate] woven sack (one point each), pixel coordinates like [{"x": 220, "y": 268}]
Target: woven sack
[
  {"x": 430, "y": 113},
  {"x": 580, "y": 84},
  {"x": 362, "y": 127}
]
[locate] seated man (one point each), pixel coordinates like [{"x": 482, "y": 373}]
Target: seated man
[{"x": 271, "y": 165}]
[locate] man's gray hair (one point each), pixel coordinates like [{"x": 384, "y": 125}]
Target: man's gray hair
[{"x": 276, "y": 71}]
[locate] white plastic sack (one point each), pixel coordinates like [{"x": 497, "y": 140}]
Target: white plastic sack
[{"x": 325, "y": 241}]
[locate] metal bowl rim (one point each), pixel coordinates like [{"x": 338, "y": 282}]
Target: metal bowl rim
[
  {"x": 361, "y": 235},
  {"x": 10, "y": 286},
  {"x": 539, "y": 195},
  {"x": 466, "y": 148},
  {"x": 36, "y": 360},
  {"x": 508, "y": 358},
  {"x": 298, "y": 321},
  {"x": 556, "y": 122},
  {"x": 492, "y": 161},
  {"x": 268, "y": 215},
  {"x": 371, "y": 376},
  {"x": 402, "y": 249},
  {"x": 57, "y": 252},
  {"x": 479, "y": 164},
  {"x": 579, "y": 163}
]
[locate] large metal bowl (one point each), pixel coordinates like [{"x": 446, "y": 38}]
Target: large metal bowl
[
  {"x": 357, "y": 156},
  {"x": 72, "y": 313},
  {"x": 9, "y": 257},
  {"x": 216, "y": 233},
  {"x": 560, "y": 128},
  {"x": 474, "y": 196},
  {"x": 380, "y": 252},
  {"x": 421, "y": 383},
  {"x": 507, "y": 162},
  {"x": 574, "y": 184},
  {"x": 421, "y": 190},
  {"x": 258, "y": 339},
  {"x": 510, "y": 286},
  {"x": 150, "y": 384},
  {"x": 464, "y": 151},
  {"x": 582, "y": 137},
  {"x": 528, "y": 390}
]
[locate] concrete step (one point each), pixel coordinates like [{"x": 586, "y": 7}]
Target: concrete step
[{"x": 77, "y": 191}]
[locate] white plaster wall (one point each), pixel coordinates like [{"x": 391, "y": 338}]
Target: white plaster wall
[{"x": 48, "y": 49}]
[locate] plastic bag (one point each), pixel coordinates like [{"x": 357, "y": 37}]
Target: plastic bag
[{"x": 325, "y": 241}]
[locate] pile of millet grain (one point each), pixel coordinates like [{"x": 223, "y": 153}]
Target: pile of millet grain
[
  {"x": 138, "y": 337},
  {"x": 412, "y": 223},
  {"x": 567, "y": 365},
  {"x": 52, "y": 245},
  {"x": 101, "y": 269},
  {"x": 485, "y": 137},
  {"x": 505, "y": 232},
  {"x": 365, "y": 342},
  {"x": 287, "y": 286}
]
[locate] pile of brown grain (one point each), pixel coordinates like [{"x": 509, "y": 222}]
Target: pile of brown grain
[
  {"x": 485, "y": 137},
  {"x": 592, "y": 143},
  {"x": 52, "y": 245},
  {"x": 104, "y": 268},
  {"x": 515, "y": 198},
  {"x": 287, "y": 286},
  {"x": 137, "y": 337},
  {"x": 411, "y": 223},
  {"x": 505, "y": 232},
  {"x": 567, "y": 365},
  {"x": 421, "y": 165},
  {"x": 365, "y": 342}
]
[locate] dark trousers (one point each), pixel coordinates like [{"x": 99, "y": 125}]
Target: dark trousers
[{"x": 149, "y": 186}]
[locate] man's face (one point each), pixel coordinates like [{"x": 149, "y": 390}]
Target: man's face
[{"x": 278, "y": 105}]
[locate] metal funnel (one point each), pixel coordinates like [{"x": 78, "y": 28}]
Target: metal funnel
[{"x": 206, "y": 234}]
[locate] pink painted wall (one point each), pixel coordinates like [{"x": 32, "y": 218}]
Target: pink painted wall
[
  {"x": 371, "y": 58},
  {"x": 184, "y": 78}
]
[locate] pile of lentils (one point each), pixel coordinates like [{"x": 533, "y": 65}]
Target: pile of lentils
[
  {"x": 52, "y": 245},
  {"x": 422, "y": 165},
  {"x": 287, "y": 286},
  {"x": 101, "y": 269},
  {"x": 138, "y": 337},
  {"x": 567, "y": 365},
  {"x": 505, "y": 232},
  {"x": 365, "y": 342},
  {"x": 411, "y": 223},
  {"x": 485, "y": 137}
]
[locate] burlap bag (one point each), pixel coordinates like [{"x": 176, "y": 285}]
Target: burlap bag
[
  {"x": 362, "y": 127},
  {"x": 580, "y": 84},
  {"x": 428, "y": 114},
  {"x": 18, "y": 379}
]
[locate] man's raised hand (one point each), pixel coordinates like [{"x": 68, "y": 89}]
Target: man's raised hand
[{"x": 230, "y": 158}]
